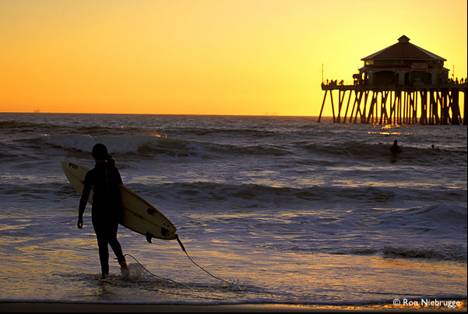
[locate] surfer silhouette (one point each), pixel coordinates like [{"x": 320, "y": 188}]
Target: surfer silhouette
[
  {"x": 395, "y": 150},
  {"x": 104, "y": 180}
]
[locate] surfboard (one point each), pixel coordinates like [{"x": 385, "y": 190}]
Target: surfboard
[{"x": 138, "y": 215}]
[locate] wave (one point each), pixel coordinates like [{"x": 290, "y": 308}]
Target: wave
[
  {"x": 447, "y": 253},
  {"x": 455, "y": 253},
  {"x": 158, "y": 143},
  {"x": 227, "y": 131},
  {"x": 290, "y": 197},
  {"x": 5, "y": 155},
  {"x": 117, "y": 144},
  {"x": 155, "y": 144},
  {"x": 264, "y": 196},
  {"x": 429, "y": 251},
  {"x": 101, "y": 130},
  {"x": 224, "y": 191},
  {"x": 35, "y": 191},
  {"x": 7, "y": 124},
  {"x": 38, "y": 127},
  {"x": 176, "y": 140},
  {"x": 25, "y": 126},
  {"x": 270, "y": 150},
  {"x": 370, "y": 151},
  {"x": 18, "y": 127},
  {"x": 439, "y": 213},
  {"x": 12, "y": 152}
]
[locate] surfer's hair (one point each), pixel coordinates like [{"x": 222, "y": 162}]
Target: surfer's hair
[{"x": 100, "y": 152}]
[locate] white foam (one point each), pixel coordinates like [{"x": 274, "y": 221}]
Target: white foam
[{"x": 135, "y": 272}]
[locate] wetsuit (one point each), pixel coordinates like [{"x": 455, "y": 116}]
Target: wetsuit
[
  {"x": 395, "y": 149},
  {"x": 105, "y": 181}
]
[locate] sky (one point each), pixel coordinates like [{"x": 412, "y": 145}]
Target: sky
[{"x": 220, "y": 57}]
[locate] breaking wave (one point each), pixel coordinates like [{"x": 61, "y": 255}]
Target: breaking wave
[
  {"x": 447, "y": 253},
  {"x": 46, "y": 128},
  {"x": 156, "y": 144},
  {"x": 456, "y": 253},
  {"x": 225, "y": 131},
  {"x": 265, "y": 195}
]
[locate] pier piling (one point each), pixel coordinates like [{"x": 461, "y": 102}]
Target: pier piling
[{"x": 394, "y": 105}]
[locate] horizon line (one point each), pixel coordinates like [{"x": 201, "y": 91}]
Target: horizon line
[{"x": 164, "y": 114}]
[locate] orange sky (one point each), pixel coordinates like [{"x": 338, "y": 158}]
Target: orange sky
[{"x": 205, "y": 56}]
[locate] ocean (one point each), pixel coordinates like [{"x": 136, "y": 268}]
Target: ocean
[{"x": 285, "y": 209}]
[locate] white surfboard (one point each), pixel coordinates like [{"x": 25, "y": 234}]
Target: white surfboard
[{"x": 138, "y": 215}]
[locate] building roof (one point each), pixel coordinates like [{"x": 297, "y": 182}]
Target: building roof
[{"x": 403, "y": 50}]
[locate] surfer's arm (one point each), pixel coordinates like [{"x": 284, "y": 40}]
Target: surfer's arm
[{"x": 84, "y": 199}]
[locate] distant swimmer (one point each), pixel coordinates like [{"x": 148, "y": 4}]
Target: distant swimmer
[{"x": 395, "y": 149}]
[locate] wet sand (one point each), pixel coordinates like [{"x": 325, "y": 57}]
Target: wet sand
[{"x": 51, "y": 307}]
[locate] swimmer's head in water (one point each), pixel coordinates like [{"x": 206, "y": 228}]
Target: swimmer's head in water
[{"x": 100, "y": 152}]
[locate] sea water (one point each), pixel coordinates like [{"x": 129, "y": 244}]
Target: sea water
[{"x": 287, "y": 209}]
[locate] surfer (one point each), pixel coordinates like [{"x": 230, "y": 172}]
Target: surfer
[
  {"x": 395, "y": 149},
  {"x": 106, "y": 212}
]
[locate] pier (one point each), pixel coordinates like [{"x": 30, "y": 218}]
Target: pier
[{"x": 401, "y": 84}]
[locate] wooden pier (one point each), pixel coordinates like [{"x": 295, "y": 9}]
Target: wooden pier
[
  {"x": 396, "y": 104},
  {"x": 401, "y": 84}
]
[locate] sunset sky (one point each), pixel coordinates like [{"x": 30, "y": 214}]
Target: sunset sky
[{"x": 249, "y": 57}]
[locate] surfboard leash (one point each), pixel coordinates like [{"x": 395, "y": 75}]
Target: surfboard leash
[
  {"x": 196, "y": 264},
  {"x": 151, "y": 273},
  {"x": 173, "y": 281}
]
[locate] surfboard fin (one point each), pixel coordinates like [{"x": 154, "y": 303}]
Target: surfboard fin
[{"x": 149, "y": 236}]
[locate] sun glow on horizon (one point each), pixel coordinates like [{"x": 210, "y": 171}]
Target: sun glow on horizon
[{"x": 205, "y": 57}]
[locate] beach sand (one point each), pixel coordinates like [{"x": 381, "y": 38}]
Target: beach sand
[{"x": 51, "y": 307}]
